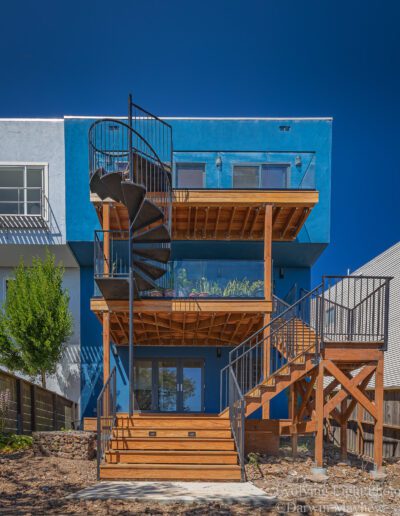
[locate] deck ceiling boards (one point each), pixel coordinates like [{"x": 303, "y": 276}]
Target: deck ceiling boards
[
  {"x": 185, "y": 329},
  {"x": 229, "y": 214}
]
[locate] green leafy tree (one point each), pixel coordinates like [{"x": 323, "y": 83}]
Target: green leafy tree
[{"x": 35, "y": 321}]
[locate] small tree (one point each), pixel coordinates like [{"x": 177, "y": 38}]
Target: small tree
[{"x": 35, "y": 321}]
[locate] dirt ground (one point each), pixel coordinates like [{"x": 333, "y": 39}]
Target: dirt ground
[{"x": 39, "y": 486}]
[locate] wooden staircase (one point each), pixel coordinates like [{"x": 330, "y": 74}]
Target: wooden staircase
[{"x": 171, "y": 447}]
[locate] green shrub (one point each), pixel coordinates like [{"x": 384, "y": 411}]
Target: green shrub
[{"x": 14, "y": 442}]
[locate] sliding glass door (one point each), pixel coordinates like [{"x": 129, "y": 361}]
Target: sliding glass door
[{"x": 169, "y": 385}]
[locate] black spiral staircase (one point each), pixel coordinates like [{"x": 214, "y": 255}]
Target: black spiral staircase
[{"x": 130, "y": 164}]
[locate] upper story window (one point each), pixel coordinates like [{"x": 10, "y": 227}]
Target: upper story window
[
  {"x": 190, "y": 175},
  {"x": 267, "y": 175},
  {"x": 22, "y": 189}
]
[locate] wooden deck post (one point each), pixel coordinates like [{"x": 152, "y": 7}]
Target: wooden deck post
[
  {"x": 267, "y": 297},
  {"x": 293, "y": 417},
  {"x": 319, "y": 415},
  {"x": 343, "y": 431},
  {"x": 106, "y": 346},
  {"x": 378, "y": 428}
]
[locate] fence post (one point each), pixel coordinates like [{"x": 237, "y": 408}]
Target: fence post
[
  {"x": 54, "y": 407},
  {"x": 20, "y": 402},
  {"x": 33, "y": 408}
]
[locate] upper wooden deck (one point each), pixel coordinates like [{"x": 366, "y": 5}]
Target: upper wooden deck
[{"x": 228, "y": 214}]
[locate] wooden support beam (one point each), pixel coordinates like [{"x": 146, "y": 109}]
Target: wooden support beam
[
  {"x": 343, "y": 431},
  {"x": 267, "y": 296},
  {"x": 307, "y": 394},
  {"x": 378, "y": 428},
  {"x": 364, "y": 374},
  {"x": 319, "y": 416},
  {"x": 267, "y": 251},
  {"x": 350, "y": 388},
  {"x": 293, "y": 417},
  {"x": 106, "y": 346}
]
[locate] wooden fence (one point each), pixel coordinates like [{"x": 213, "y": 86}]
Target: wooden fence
[
  {"x": 360, "y": 429},
  {"x": 33, "y": 408}
]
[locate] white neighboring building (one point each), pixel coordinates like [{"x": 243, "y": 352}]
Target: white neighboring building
[
  {"x": 388, "y": 264},
  {"x": 33, "y": 218}
]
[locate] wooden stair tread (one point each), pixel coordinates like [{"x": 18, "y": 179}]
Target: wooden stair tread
[
  {"x": 176, "y": 452},
  {"x": 170, "y": 466}
]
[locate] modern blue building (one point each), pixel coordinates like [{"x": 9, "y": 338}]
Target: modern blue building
[{"x": 225, "y": 171}]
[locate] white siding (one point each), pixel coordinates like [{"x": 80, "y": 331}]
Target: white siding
[{"x": 388, "y": 264}]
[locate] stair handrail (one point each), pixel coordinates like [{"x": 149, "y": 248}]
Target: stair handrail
[
  {"x": 274, "y": 319},
  {"x": 106, "y": 416},
  {"x": 237, "y": 407},
  {"x": 249, "y": 354},
  {"x": 123, "y": 152}
]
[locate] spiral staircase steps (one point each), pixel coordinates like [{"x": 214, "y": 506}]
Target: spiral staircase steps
[
  {"x": 151, "y": 270},
  {"x": 96, "y": 185},
  {"x": 157, "y": 235},
  {"x": 134, "y": 195},
  {"x": 112, "y": 182},
  {"x": 143, "y": 282},
  {"x": 156, "y": 254},
  {"x": 149, "y": 214}
]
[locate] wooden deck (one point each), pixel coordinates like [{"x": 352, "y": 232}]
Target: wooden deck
[
  {"x": 228, "y": 214},
  {"x": 200, "y": 322}
]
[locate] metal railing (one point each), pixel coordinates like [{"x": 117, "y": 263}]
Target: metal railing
[
  {"x": 355, "y": 309},
  {"x": 116, "y": 147},
  {"x": 237, "y": 417},
  {"x": 106, "y": 416},
  {"x": 28, "y": 208},
  {"x": 344, "y": 309}
]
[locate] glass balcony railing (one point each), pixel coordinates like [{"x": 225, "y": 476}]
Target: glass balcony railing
[
  {"x": 211, "y": 279},
  {"x": 234, "y": 279},
  {"x": 270, "y": 170}
]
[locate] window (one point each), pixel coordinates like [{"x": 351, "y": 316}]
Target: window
[
  {"x": 190, "y": 175},
  {"x": 267, "y": 176},
  {"x": 246, "y": 176},
  {"x": 21, "y": 189}
]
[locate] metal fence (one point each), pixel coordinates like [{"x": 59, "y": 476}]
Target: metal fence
[{"x": 33, "y": 408}]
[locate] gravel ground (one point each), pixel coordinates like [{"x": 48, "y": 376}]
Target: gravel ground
[{"x": 40, "y": 485}]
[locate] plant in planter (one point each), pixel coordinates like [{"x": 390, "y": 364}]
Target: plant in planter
[{"x": 183, "y": 284}]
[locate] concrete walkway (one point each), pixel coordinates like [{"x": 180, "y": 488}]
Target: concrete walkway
[{"x": 173, "y": 492}]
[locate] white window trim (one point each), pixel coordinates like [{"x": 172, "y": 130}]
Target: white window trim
[
  {"x": 261, "y": 164},
  {"x": 188, "y": 163},
  {"x": 45, "y": 167}
]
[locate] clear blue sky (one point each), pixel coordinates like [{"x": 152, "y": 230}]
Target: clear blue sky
[{"x": 230, "y": 58}]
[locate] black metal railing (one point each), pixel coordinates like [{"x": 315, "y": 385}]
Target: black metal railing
[
  {"x": 237, "y": 417},
  {"x": 106, "y": 416},
  {"x": 116, "y": 147},
  {"x": 291, "y": 331},
  {"x": 346, "y": 309},
  {"x": 355, "y": 309}
]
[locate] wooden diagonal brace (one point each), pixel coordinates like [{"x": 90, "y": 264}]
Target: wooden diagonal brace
[{"x": 351, "y": 387}]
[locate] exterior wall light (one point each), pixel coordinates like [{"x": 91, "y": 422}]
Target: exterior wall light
[
  {"x": 218, "y": 162},
  {"x": 297, "y": 161}
]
